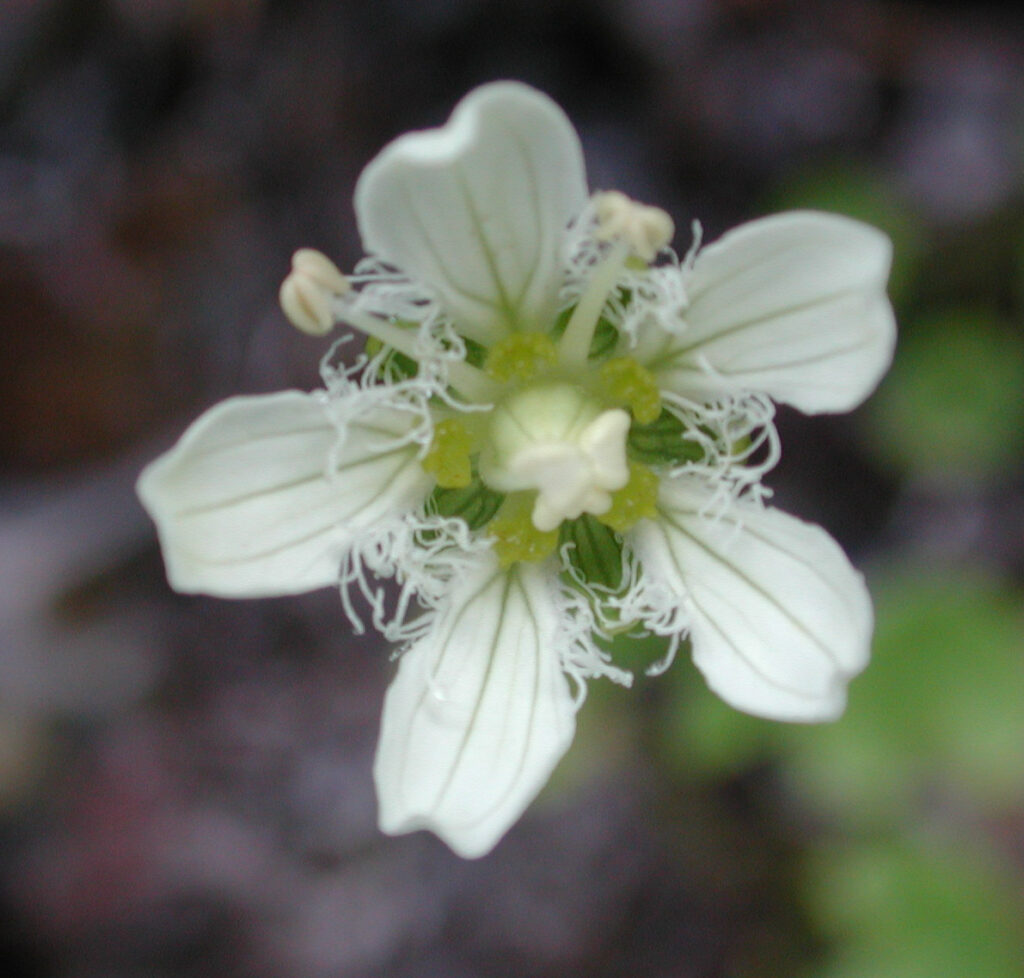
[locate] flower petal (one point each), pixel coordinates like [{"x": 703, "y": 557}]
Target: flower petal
[
  {"x": 780, "y": 620},
  {"x": 478, "y": 715},
  {"x": 477, "y": 210},
  {"x": 245, "y": 505},
  {"x": 792, "y": 306}
]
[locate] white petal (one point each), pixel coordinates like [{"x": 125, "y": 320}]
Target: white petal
[
  {"x": 478, "y": 715},
  {"x": 792, "y": 306},
  {"x": 245, "y": 506},
  {"x": 780, "y": 619},
  {"x": 477, "y": 210}
]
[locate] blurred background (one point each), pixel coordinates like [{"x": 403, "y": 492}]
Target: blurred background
[{"x": 185, "y": 784}]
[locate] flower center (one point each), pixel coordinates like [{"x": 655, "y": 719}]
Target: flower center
[{"x": 555, "y": 439}]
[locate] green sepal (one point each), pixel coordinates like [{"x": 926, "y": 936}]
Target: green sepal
[
  {"x": 476, "y": 353},
  {"x": 476, "y": 504},
  {"x": 662, "y": 442},
  {"x": 396, "y": 366},
  {"x": 596, "y": 552}
]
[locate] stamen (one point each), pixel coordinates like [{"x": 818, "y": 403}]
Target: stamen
[
  {"x": 574, "y": 346},
  {"x": 308, "y": 290},
  {"x": 647, "y": 229},
  {"x": 402, "y": 340},
  {"x": 471, "y": 382}
]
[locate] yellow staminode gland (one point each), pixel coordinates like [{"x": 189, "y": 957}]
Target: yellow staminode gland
[
  {"x": 516, "y": 538},
  {"x": 520, "y": 356},
  {"x": 630, "y": 383},
  {"x": 636, "y": 501},
  {"x": 307, "y": 292},
  {"x": 447, "y": 459},
  {"x": 647, "y": 229}
]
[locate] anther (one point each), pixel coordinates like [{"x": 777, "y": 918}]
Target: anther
[
  {"x": 307, "y": 292},
  {"x": 647, "y": 229}
]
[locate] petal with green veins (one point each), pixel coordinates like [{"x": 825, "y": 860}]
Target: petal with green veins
[
  {"x": 477, "y": 210},
  {"x": 246, "y": 507},
  {"x": 792, "y": 306},
  {"x": 479, "y": 713},
  {"x": 779, "y": 619}
]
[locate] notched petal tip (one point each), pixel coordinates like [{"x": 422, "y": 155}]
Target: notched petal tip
[
  {"x": 476, "y": 210},
  {"x": 513, "y": 104}
]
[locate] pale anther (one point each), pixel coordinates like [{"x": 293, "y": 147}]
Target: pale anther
[
  {"x": 646, "y": 229},
  {"x": 307, "y": 292},
  {"x": 317, "y": 266}
]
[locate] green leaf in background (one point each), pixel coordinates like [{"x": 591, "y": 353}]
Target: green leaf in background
[
  {"x": 610, "y": 728},
  {"x": 951, "y": 411},
  {"x": 699, "y": 735},
  {"x": 914, "y": 908},
  {"x": 937, "y": 713},
  {"x": 1018, "y": 269},
  {"x": 858, "y": 192}
]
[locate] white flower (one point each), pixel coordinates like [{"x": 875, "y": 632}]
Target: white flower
[{"x": 557, "y": 434}]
